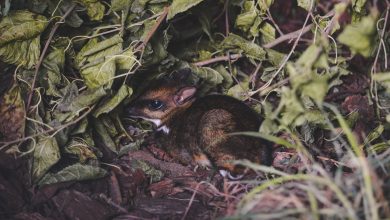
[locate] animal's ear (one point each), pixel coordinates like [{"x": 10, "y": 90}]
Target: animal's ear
[{"x": 183, "y": 95}]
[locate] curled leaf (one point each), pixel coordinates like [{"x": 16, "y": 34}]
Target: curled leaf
[
  {"x": 252, "y": 50},
  {"x": 179, "y": 6},
  {"x": 80, "y": 149},
  {"x": 360, "y": 37},
  {"x": 76, "y": 172},
  {"x": 19, "y": 37},
  {"x": 247, "y": 17},
  {"x": 72, "y": 103},
  {"x": 109, "y": 105},
  {"x": 95, "y": 9}
]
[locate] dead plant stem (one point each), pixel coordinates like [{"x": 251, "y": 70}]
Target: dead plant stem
[{"x": 51, "y": 35}]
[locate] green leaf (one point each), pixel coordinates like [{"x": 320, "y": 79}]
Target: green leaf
[
  {"x": 275, "y": 57},
  {"x": 267, "y": 33},
  {"x": 248, "y": 15},
  {"x": 313, "y": 56},
  {"x": 305, "y": 4},
  {"x": 133, "y": 146},
  {"x": 80, "y": 149},
  {"x": 104, "y": 136},
  {"x": 312, "y": 116},
  {"x": 81, "y": 127},
  {"x": 110, "y": 104},
  {"x": 72, "y": 103},
  {"x": 126, "y": 60},
  {"x": 154, "y": 174},
  {"x": 254, "y": 30},
  {"x": 291, "y": 105},
  {"x": 358, "y": 5},
  {"x": 179, "y": 6},
  {"x": 95, "y": 9},
  {"x": 97, "y": 61},
  {"x": 268, "y": 127},
  {"x": 118, "y": 5},
  {"x": 227, "y": 78},
  {"x": 21, "y": 25},
  {"x": 85, "y": 99},
  {"x": 76, "y": 172},
  {"x": 265, "y": 4},
  {"x": 360, "y": 37},
  {"x": 317, "y": 88},
  {"x": 210, "y": 78},
  {"x": 101, "y": 74},
  {"x": 52, "y": 79},
  {"x": 383, "y": 79},
  {"x": 250, "y": 49},
  {"x": 240, "y": 90},
  {"x": 25, "y": 53},
  {"x": 19, "y": 38},
  {"x": 46, "y": 154}
]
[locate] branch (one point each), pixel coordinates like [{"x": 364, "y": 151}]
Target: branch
[
  {"x": 153, "y": 30},
  {"x": 70, "y": 9},
  {"x": 217, "y": 59},
  {"x": 288, "y": 36}
]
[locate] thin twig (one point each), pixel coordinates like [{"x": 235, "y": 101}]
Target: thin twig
[
  {"x": 191, "y": 200},
  {"x": 218, "y": 59},
  {"x": 288, "y": 36},
  {"x": 269, "y": 15},
  {"x": 52, "y": 32},
  {"x": 153, "y": 30}
]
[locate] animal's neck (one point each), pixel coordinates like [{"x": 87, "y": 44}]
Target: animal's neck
[{"x": 175, "y": 118}]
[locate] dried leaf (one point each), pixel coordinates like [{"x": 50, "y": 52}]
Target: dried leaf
[
  {"x": 46, "y": 154},
  {"x": 252, "y": 50},
  {"x": 306, "y": 4},
  {"x": 19, "y": 38},
  {"x": 76, "y": 172},
  {"x": 95, "y": 9},
  {"x": 179, "y": 6},
  {"x": 360, "y": 37},
  {"x": 80, "y": 149},
  {"x": 248, "y": 15},
  {"x": 110, "y": 104}
]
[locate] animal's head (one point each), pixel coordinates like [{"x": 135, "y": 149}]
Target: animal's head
[{"x": 163, "y": 99}]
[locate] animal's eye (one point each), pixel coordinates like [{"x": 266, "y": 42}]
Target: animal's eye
[{"x": 155, "y": 105}]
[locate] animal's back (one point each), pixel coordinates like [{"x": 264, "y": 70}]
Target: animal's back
[{"x": 206, "y": 128}]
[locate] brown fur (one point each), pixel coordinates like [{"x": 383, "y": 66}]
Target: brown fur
[{"x": 198, "y": 130}]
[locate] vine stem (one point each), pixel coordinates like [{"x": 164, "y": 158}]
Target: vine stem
[{"x": 51, "y": 35}]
